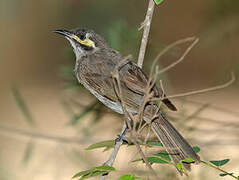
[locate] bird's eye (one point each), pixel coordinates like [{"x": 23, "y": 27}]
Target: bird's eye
[{"x": 82, "y": 37}]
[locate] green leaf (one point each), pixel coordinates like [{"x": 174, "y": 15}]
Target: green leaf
[
  {"x": 179, "y": 166},
  {"x": 102, "y": 144},
  {"x": 163, "y": 155},
  {"x": 196, "y": 149},
  {"x": 92, "y": 174},
  {"x": 163, "y": 158},
  {"x": 105, "y": 168},
  {"x": 126, "y": 177},
  {"x": 188, "y": 160},
  {"x": 22, "y": 105},
  {"x": 158, "y": 1},
  {"x": 100, "y": 170},
  {"x": 225, "y": 174},
  {"x": 220, "y": 162},
  {"x": 82, "y": 173},
  {"x": 156, "y": 160},
  {"x": 154, "y": 143}
]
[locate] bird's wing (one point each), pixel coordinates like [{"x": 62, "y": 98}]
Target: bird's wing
[
  {"x": 99, "y": 78},
  {"x": 132, "y": 80}
]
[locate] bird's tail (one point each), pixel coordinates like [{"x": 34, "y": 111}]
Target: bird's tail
[{"x": 176, "y": 146}]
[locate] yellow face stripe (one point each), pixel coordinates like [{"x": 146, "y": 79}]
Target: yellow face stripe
[{"x": 86, "y": 42}]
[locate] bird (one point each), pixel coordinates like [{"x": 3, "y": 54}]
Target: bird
[{"x": 95, "y": 63}]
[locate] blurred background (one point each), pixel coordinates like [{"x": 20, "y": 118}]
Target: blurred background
[{"x": 47, "y": 119}]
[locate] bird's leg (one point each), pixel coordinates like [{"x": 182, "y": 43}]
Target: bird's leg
[
  {"x": 118, "y": 142},
  {"x": 121, "y": 136}
]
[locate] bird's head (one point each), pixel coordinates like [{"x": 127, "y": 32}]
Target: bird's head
[{"x": 83, "y": 41}]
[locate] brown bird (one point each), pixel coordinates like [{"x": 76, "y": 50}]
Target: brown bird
[{"x": 95, "y": 62}]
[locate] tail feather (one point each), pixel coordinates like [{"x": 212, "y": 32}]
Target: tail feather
[{"x": 176, "y": 146}]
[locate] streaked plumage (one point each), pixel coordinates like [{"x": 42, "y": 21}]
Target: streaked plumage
[{"x": 94, "y": 67}]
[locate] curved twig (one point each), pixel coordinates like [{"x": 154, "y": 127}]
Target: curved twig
[{"x": 200, "y": 91}]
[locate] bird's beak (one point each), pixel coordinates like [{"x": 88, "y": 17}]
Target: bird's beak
[
  {"x": 71, "y": 36},
  {"x": 65, "y": 33}
]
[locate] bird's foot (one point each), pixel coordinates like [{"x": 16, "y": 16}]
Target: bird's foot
[{"x": 121, "y": 138}]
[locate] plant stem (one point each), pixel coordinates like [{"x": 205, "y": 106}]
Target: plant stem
[
  {"x": 146, "y": 24},
  {"x": 201, "y": 91},
  {"x": 219, "y": 169},
  {"x": 113, "y": 155}
]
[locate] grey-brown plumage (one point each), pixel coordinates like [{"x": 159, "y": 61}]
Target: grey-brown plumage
[{"x": 95, "y": 62}]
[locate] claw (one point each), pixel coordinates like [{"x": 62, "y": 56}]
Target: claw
[{"x": 121, "y": 138}]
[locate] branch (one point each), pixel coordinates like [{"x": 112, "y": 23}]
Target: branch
[
  {"x": 200, "y": 91},
  {"x": 166, "y": 49},
  {"x": 219, "y": 169},
  {"x": 144, "y": 157},
  {"x": 118, "y": 92},
  {"x": 231, "y": 112},
  {"x": 130, "y": 120},
  {"x": 182, "y": 57},
  {"x": 113, "y": 155},
  {"x": 146, "y": 25}
]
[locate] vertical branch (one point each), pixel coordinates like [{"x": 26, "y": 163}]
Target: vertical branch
[
  {"x": 146, "y": 25},
  {"x": 113, "y": 155}
]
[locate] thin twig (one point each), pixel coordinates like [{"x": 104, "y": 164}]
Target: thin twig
[
  {"x": 146, "y": 24},
  {"x": 200, "y": 91},
  {"x": 118, "y": 92},
  {"x": 129, "y": 117},
  {"x": 181, "y": 58},
  {"x": 134, "y": 137},
  {"x": 144, "y": 157},
  {"x": 167, "y": 48},
  {"x": 219, "y": 169},
  {"x": 147, "y": 134},
  {"x": 118, "y": 89},
  {"x": 146, "y": 98},
  {"x": 231, "y": 112}
]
